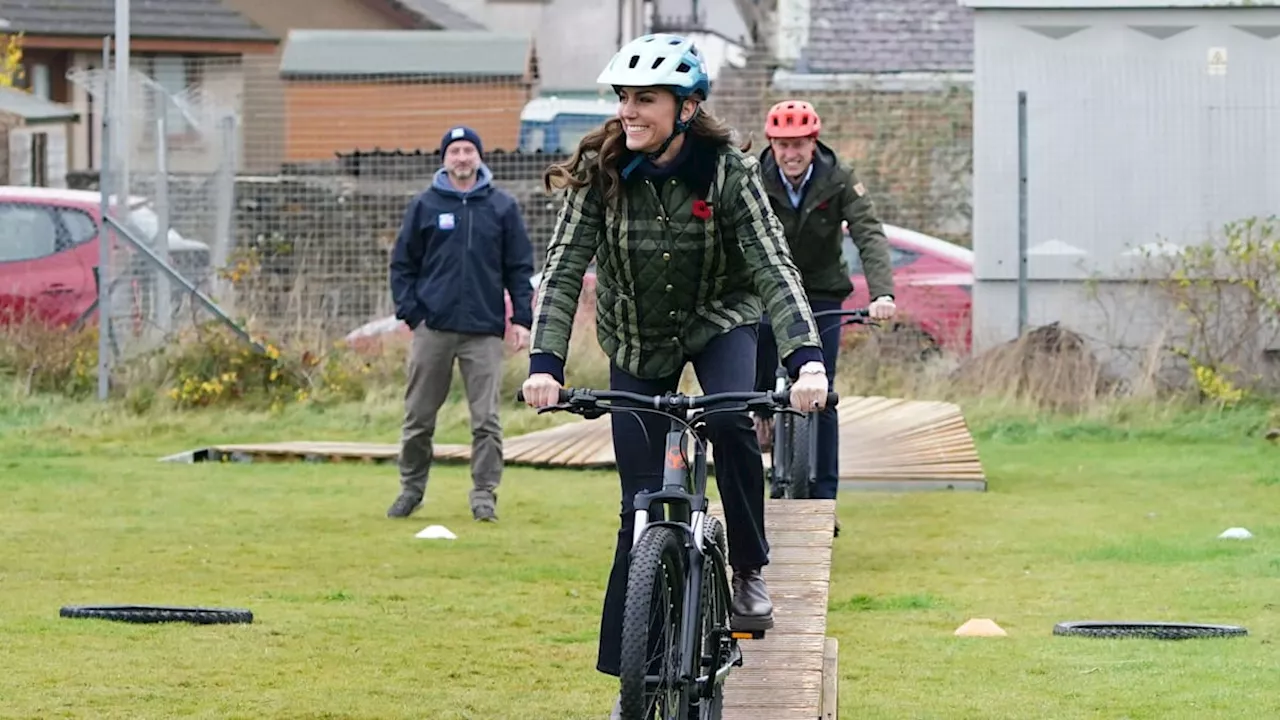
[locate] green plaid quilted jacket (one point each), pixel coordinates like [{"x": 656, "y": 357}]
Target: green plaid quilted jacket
[{"x": 669, "y": 278}]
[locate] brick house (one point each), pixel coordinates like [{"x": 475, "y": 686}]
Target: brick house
[
  {"x": 177, "y": 44},
  {"x": 264, "y": 89},
  {"x": 348, "y": 90}
]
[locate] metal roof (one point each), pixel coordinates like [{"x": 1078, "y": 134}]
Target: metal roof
[
  {"x": 34, "y": 110},
  {"x": 355, "y": 53},
  {"x": 171, "y": 19}
]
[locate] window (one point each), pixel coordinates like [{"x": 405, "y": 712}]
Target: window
[
  {"x": 39, "y": 81},
  {"x": 27, "y": 232},
  {"x": 79, "y": 226},
  {"x": 173, "y": 74},
  {"x": 897, "y": 256}
]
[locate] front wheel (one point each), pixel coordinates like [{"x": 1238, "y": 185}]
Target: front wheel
[
  {"x": 715, "y": 618},
  {"x": 799, "y": 458},
  {"x": 652, "y": 615}
]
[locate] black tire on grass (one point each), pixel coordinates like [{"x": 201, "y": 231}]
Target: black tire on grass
[
  {"x": 158, "y": 614},
  {"x": 1153, "y": 630},
  {"x": 657, "y": 569}
]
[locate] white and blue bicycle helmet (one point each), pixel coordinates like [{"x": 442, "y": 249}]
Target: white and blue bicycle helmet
[{"x": 660, "y": 60}]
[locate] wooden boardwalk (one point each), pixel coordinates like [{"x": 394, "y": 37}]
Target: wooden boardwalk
[
  {"x": 791, "y": 674},
  {"x": 886, "y": 444}
]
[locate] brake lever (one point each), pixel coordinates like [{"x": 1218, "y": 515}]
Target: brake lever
[{"x": 557, "y": 406}]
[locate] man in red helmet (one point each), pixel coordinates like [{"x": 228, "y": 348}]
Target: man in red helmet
[{"x": 811, "y": 192}]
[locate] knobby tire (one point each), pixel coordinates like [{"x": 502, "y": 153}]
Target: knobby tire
[
  {"x": 656, "y": 577},
  {"x": 798, "y": 467},
  {"x": 715, "y": 616}
]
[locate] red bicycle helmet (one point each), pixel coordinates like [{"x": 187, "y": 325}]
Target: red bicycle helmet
[{"x": 792, "y": 119}]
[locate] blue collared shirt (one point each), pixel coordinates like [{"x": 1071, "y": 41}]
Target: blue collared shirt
[{"x": 796, "y": 194}]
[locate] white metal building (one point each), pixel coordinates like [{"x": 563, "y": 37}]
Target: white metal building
[{"x": 1147, "y": 122}]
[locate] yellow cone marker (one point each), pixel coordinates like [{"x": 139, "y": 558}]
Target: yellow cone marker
[{"x": 980, "y": 627}]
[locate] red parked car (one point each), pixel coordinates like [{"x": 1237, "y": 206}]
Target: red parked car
[
  {"x": 933, "y": 281},
  {"x": 49, "y": 252}
]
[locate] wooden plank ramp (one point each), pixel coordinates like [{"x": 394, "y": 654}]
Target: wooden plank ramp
[
  {"x": 788, "y": 674},
  {"x": 886, "y": 444}
]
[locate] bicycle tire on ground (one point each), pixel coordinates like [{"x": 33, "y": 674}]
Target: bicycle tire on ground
[
  {"x": 798, "y": 468},
  {"x": 1154, "y": 630},
  {"x": 715, "y": 615},
  {"x": 657, "y": 565},
  {"x": 158, "y": 614}
]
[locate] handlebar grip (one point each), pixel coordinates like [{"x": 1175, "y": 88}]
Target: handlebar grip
[
  {"x": 565, "y": 394},
  {"x": 784, "y": 397}
]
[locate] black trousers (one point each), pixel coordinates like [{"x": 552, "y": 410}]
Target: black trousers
[
  {"x": 727, "y": 364},
  {"x": 828, "y": 480}
]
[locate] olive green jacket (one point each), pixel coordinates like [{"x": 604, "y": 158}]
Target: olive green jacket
[
  {"x": 667, "y": 280},
  {"x": 813, "y": 230}
]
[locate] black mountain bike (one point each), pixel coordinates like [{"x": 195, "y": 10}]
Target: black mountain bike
[
  {"x": 678, "y": 646},
  {"x": 793, "y": 459}
]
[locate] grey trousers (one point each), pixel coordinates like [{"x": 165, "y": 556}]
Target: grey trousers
[{"x": 430, "y": 373}]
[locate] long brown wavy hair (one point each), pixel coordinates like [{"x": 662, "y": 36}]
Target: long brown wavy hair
[{"x": 609, "y": 144}]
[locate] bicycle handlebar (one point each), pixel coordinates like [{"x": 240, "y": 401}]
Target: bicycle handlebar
[
  {"x": 584, "y": 399},
  {"x": 856, "y": 313}
]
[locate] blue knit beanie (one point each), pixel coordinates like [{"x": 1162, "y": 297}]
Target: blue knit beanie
[{"x": 461, "y": 132}]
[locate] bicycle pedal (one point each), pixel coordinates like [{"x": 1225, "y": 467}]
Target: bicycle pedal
[{"x": 747, "y": 634}]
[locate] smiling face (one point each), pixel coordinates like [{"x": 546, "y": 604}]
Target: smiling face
[
  {"x": 793, "y": 155},
  {"x": 649, "y": 116}
]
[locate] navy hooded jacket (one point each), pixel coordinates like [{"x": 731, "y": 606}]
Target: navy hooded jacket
[{"x": 456, "y": 252}]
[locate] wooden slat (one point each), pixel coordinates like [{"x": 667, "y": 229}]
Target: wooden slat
[
  {"x": 768, "y": 714},
  {"x": 881, "y": 439},
  {"x": 782, "y": 674},
  {"x": 830, "y": 680}
]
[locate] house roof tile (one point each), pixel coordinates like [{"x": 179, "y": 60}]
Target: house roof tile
[
  {"x": 888, "y": 36},
  {"x": 171, "y": 19}
]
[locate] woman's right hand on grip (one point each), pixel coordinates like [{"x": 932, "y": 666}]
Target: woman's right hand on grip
[{"x": 541, "y": 390}]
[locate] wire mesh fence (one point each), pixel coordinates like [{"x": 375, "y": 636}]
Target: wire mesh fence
[
  {"x": 1150, "y": 192},
  {"x": 282, "y": 181},
  {"x": 279, "y": 181}
]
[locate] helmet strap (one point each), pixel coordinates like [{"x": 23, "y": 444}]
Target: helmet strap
[{"x": 679, "y": 127}]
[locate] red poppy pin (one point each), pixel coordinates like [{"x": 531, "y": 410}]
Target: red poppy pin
[
  {"x": 823, "y": 205},
  {"x": 701, "y": 209}
]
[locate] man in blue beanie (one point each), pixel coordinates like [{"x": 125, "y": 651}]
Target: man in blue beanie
[{"x": 461, "y": 244}]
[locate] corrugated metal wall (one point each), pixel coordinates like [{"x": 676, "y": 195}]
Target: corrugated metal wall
[{"x": 1135, "y": 136}]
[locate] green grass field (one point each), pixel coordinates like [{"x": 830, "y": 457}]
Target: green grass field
[{"x": 355, "y": 618}]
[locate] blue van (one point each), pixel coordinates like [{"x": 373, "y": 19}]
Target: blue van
[{"x": 555, "y": 125}]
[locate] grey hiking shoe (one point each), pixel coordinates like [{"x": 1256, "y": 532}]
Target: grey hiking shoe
[{"x": 404, "y": 506}]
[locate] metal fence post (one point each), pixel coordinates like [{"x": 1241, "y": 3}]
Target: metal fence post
[
  {"x": 225, "y": 206},
  {"x": 163, "y": 290},
  {"x": 104, "y": 236},
  {"x": 1022, "y": 212}
]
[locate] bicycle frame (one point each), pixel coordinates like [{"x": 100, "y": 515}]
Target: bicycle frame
[{"x": 684, "y": 501}]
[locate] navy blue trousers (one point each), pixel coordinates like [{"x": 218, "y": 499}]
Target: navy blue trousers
[
  {"x": 639, "y": 441},
  {"x": 828, "y": 459}
]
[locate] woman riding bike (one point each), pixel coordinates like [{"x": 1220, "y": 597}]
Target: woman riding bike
[{"x": 688, "y": 255}]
